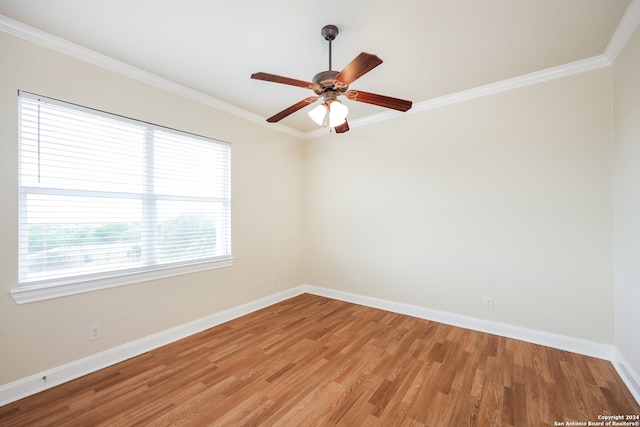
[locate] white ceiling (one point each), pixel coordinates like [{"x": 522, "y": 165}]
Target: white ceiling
[{"x": 430, "y": 48}]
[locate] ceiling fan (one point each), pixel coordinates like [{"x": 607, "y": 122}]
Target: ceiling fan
[{"x": 330, "y": 84}]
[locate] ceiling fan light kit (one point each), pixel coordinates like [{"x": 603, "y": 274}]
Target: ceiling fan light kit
[
  {"x": 330, "y": 113},
  {"x": 330, "y": 84}
]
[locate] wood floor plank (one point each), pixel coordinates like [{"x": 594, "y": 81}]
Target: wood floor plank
[{"x": 311, "y": 360}]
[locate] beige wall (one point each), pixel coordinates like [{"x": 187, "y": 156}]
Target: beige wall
[
  {"x": 626, "y": 162},
  {"x": 506, "y": 196},
  {"x": 266, "y": 192}
]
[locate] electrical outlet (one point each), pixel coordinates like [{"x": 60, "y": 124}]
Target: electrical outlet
[
  {"x": 488, "y": 303},
  {"x": 261, "y": 283},
  {"x": 358, "y": 281},
  {"x": 274, "y": 281},
  {"x": 95, "y": 332}
]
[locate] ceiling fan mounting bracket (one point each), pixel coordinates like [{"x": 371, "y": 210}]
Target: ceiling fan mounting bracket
[{"x": 329, "y": 32}]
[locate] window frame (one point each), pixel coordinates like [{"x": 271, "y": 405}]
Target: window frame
[{"x": 38, "y": 290}]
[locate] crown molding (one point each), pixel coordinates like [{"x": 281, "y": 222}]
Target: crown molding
[
  {"x": 625, "y": 28},
  {"x": 515, "y": 83},
  {"x": 66, "y": 47},
  {"x": 480, "y": 91}
]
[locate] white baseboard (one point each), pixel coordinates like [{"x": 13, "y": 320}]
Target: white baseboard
[
  {"x": 548, "y": 339},
  {"x": 626, "y": 372},
  {"x": 34, "y": 383},
  {"x": 575, "y": 345}
]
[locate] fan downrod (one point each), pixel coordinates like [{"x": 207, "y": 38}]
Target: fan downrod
[
  {"x": 323, "y": 82},
  {"x": 329, "y": 32}
]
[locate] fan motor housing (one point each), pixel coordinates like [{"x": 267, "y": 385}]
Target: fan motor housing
[{"x": 324, "y": 81}]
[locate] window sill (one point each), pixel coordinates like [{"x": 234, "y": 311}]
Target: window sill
[{"x": 27, "y": 294}]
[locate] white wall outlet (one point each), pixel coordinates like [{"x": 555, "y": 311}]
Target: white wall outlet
[
  {"x": 358, "y": 281},
  {"x": 274, "y": 281},
  {"x": 95, "y": 332},
  {"x": 261, "y": 283},
  {"x": 488, "y": 303}
]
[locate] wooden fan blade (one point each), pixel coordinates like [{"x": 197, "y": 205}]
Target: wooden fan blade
[
  {"x": 295, "y": 107},
  {"x": 279, "y": 79},
  {"x": 381, "y": 100},
  {"x": 342, "y": 128},
  {"x": 361, "y": 65}
]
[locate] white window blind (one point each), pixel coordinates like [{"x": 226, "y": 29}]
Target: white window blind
[{"x": 102, "y": 196}]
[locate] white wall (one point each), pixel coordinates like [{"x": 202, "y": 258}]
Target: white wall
[
  {"x": 626, "y": 161},
  {"x": 266, "y": 202},
  {"x": 506, "y": 196}
]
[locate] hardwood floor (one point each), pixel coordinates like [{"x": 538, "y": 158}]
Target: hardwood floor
[{"x": 314, "y": 361}]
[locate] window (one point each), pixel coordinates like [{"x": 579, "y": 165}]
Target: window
[{"x": 108, "y": 200}]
